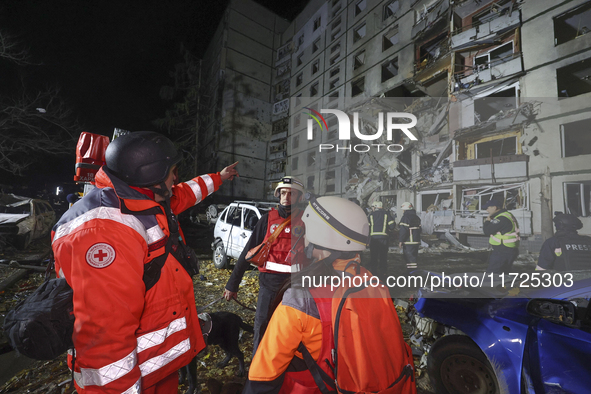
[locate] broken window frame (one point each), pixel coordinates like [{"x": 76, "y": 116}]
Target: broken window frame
[
  {"x": 572, "y": 141},
  {"x": 387, "y": 10},
  {"x": 317, "y": 22},
  {"x": 486, "y": 193},
  {"x": 467, "y": 148},
  {"x": 359, "y": 59},
  {"x": 565, "y": 78},
  {"x": 486, "y": 153},
  {"x": 387, "y": 38},
  {"x": 445, "y": 193},
  {"x": 316, "y": 45},
  {"x": 561, "y": 19},
  {"x": 392, "y": 62},
  {"x": 314, "y": 89},
  {"x": 583, "y": 208},
  {"x": 316, "y": 66},
  {"x": 357, "y": 32},
  {"x": 491, "y": 62},
  {"x": 358, "y": 86},
  {"x": 360, "y": 6}
]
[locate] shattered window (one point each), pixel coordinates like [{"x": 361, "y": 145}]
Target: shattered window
[
  {"x": 316, "y": 45},
  {"x": 572, "y": 24},
  {"x": 577, "y": 198},
  {"x": 314, "y": 89},
  {"x": 390, "y": 39},
  {"x": 315, "y": 67},
  {"x": 496, "y": 148},
  {"x": 358, "y": 87},
  {"x": 359, "y": 60},
  {"x": 316, "y": 23},
  {"x": 514, "y": 196},
  {"x": 391, "y": 8},
  {"x": 359, "y": 33},
  {"x": 439, "y": 201},
  {"x": 390, "y": 69},
  {"x": 576, "y": 138},
  {"x": 360, "y": 6},
  {"x": 299, "y": 79},
  {"x": 311, "y": 158},
  {"x": 333, "y": 84},
  {"x": 574, "y": 79}
]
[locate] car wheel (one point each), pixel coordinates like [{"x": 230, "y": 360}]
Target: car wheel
[
  {"x": 456, "y": 365},
  {"x": 220, "y": 260}
]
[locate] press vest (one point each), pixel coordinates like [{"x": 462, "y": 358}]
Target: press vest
[
  {"x": 509, "y": 239},
  {"x": 104, "y": 246},
  {"x": 278, "y": 260},
  {"x": 574, "y": 253}
]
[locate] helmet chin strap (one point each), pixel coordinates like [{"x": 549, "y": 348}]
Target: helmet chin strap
[{"x": 162, "y": 191}]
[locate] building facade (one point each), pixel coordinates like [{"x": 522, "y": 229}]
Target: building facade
[{"x": 498, "y": 88}]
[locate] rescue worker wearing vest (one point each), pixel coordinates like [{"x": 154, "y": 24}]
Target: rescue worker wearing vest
[
  {"x": 299, "y": 336},
  {"x": 409, "y": 235},
  {"x": 566, "y": 250},
  {"x": 381, "y": 225},
  {"x": 503, "y": 232},
  {"x": 278, "y": 269},
  {"x": 135, "y": 322}
]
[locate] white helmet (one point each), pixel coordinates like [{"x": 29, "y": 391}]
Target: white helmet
[
  {"x": 377, "y": 204},
  {"x": 406, "y": 206},
  {"x": 289, "y": 182},
  {"x": 336, "y": 223}
]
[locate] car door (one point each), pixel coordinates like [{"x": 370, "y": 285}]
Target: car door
[
  {"x": 249, "y": 220},
  {"x": 562, "y": 353},
  {"x": 234, "y": 219}
]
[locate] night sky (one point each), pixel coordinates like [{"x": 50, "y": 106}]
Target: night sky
[{"x": 112, "y": 57}]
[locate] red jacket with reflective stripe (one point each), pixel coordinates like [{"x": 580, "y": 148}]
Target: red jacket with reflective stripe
[
  {"x": 283, "y": 244},
  {"x": 126, "y": 338}
]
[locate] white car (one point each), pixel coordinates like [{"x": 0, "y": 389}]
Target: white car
[
  {"x": 24, "y": 219},
  {"x": 233, "y": 229}
]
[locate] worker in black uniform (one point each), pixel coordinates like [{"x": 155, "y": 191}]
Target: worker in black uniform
[
  {"x": 503, "y": 232},
  {"x": 381, "y": 226},
  {"x": 409, "y": 238},
  {"x": 566, "y": 250}
]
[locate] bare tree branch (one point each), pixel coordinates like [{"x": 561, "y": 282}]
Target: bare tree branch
[{"x": 11, "y": 49}]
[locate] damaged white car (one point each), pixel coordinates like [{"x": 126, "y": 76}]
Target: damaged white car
[{"x": 24, "y": 219}]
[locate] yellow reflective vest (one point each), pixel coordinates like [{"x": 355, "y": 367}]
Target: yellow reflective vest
[{"x": 509, "y": 239}]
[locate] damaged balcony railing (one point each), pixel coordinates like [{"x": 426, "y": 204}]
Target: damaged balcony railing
[{"x": 433, "y": 175}]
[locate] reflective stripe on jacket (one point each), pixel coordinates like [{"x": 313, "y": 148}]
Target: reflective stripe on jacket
[
  {"x": 509, "y": 239},
  {"x": 278, "y": 261},
  {"x": 379, "y": 223},
  {"x": 126, "y": 338}
]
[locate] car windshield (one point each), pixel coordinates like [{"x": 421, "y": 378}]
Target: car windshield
[{"x": 18, "y": 209}]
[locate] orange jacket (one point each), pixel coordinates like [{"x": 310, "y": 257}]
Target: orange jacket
[{"x": 127, "y": 339}]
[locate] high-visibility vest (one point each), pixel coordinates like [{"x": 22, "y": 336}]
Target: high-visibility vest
[{"x": 509, "y": 239}]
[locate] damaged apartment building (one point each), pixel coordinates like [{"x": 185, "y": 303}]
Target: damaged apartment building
[{"x": 498, "y": 89}]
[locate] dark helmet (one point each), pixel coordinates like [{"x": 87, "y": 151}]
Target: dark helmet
[
  {"x": 141, "y": 159},
  {"x": 567, "y": 221}
]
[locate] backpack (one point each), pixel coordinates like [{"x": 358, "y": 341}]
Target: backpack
[
  {"x": 41, "y": 326},
  {"x": 367, "y": 350}
]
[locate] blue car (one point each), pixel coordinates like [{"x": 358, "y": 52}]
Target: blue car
[{"x": 512, "y": 341}]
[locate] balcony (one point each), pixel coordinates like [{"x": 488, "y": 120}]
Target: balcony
[
  {"x": 481, "y": 34},
  {"x": 510, "y": 166},
  {"x": 493, "y": 70}
]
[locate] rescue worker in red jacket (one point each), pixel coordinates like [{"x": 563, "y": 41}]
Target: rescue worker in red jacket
[
  {"x": 123, "y": 254},
  {"x": 337, "y": 230},
  {"x": 278, "y": 269}
]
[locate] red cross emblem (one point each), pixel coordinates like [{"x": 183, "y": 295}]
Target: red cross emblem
[{"x": 100, "y": 255}]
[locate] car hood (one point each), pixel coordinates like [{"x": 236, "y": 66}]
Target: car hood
[{"x": 8, "y": 218}]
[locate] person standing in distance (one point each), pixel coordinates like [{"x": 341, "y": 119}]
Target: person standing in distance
[
  {"x": 409, "y": 238},
  {"x": 567, "y": 249},
  {"x": 280, "y": 265},
  {"x": 123, "y": 254},
  {"x": 381, "y": 225},
  {"x": 503, "y": 232}
]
